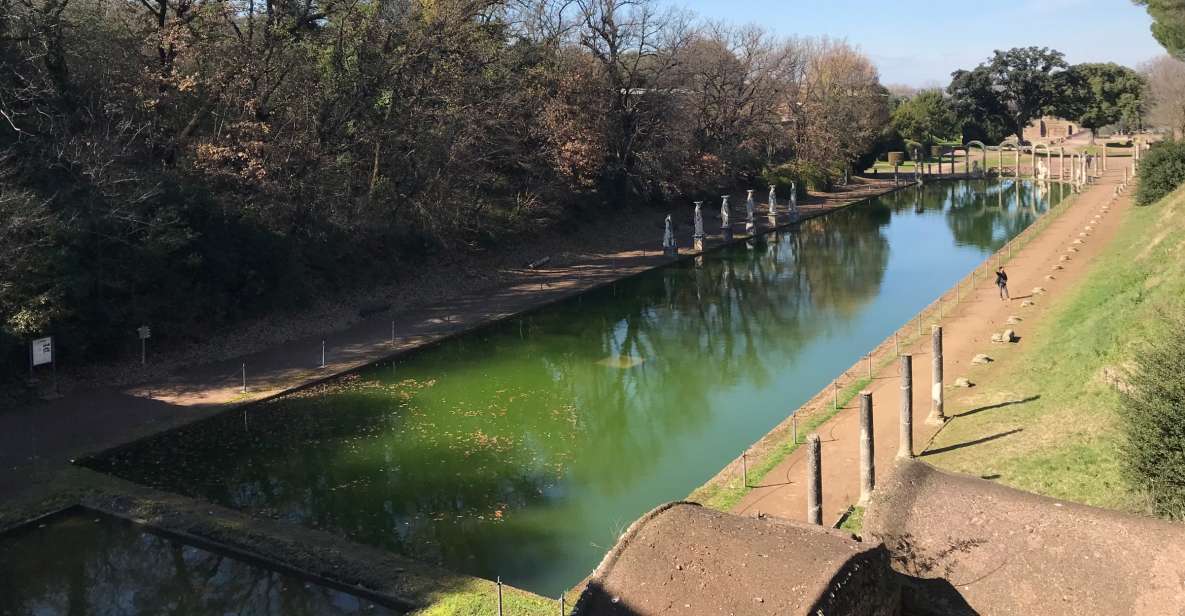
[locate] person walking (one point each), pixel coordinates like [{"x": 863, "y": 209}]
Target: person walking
[{"x": 1002, "y": 282}]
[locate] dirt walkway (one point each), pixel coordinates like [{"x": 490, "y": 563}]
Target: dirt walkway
[
  {"x": 36, "y": 439},
  {"x": 967, "y": 331}
]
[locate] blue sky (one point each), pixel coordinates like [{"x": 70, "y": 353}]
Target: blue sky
[{"x": 921, "y": 43}]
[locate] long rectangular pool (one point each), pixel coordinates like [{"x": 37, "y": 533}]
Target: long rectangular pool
[{"x": 523, "y": 449}]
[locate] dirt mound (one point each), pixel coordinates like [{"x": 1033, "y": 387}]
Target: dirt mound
[
  {"x": 1012, "y": 552},
  {"x": 685, "y": 559}
]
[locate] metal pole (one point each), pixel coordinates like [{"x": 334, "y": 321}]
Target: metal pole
[
  {"x": 834, "y": 396},
  {"x": 244, "y": 378},
  {"x": 814, "y": 492},
  {"x": 870, "y": 365},
  {"x": 322, "y": 353},
  {"x": 143, "y": 352},
  {"x": 499, "y": 595},
  {"x": 563, "y": 609},
  {"x": 896, "y": 344},
  {"x": 392, "y": 332},
  {"x": 937, "y": 416},
  {"x": 867, "y": 450},
  {"x": 905, "y": 444},
  {"x": 745, "y": 468}
]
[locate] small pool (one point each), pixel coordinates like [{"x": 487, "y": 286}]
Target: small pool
[{"x": 83, "y": 562}]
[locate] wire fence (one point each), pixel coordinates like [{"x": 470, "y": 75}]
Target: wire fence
[{"x": 836, "y": 395}]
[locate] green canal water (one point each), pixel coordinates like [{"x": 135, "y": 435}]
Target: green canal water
[
  {"x": 83, "y": 563},
  {"x": 524, "y": 449}
]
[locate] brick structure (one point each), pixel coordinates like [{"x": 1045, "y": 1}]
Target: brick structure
[{"x": 1049, "y": 129}]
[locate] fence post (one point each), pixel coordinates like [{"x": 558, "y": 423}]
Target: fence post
[
  {"x": 905, "y": 446},
  {"x": 936, "y": 415},
  {"x": 814, "y": 492},
  {"x": 867, "y": 449}
]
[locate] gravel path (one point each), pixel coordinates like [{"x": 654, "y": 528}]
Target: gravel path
[{"x": 967, "y": 331}]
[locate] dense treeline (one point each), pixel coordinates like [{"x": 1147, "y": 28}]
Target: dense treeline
[
  {"x": 1000, "y": 97},
  {"x": 186, "y": 163}
]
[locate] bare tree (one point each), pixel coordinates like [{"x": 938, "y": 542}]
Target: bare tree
[{"x": 1166, "y": 94}]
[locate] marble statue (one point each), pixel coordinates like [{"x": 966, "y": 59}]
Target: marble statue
[
  {"x": 750, "y": 215},
  {"x": 725, "y": 219},
  {"x": 668, "y": 239},
  {"x": 697, "y": 238}
]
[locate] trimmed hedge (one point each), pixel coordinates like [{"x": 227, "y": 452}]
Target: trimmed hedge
[{"x": 1162, "y": 170}]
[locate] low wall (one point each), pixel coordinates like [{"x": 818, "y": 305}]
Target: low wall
[{"x": 687, "y": 559}]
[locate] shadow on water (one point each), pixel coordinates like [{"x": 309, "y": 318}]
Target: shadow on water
[
  {"x": 81, "y": 562},
  {"x": 522, "y": 450}
]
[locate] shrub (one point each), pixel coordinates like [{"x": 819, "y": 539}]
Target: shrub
[
  {"x": 1154, "y": 410},
  {"x": 783, "y": 176},
  {"x": 915, "y": 150},
  {"x": 1162, "y": 170}
]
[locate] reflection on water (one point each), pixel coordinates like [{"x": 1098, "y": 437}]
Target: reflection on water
[
  {"x": 79, "y": 563},
  {"x": 524, "y": 449}
]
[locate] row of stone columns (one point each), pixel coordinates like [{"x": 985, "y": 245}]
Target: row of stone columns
[
  {"x": 814, "y": 500},
  {"x": 698, "y": 235}
]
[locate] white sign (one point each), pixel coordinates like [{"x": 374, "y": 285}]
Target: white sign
[{"x": 43, "y": 351}]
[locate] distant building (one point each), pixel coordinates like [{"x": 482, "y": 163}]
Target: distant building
[{"x": 1049, "y": 129}]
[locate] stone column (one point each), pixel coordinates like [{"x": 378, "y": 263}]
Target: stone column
[
  {"x": 814, "y": 480},
  {"x": 697, "y": 238},
  {"x": 937, "y": 417},
  {"x": 867, "y": 449},
  {"x": 905, "y": 443},
  {"x": 725, "y": 219}
]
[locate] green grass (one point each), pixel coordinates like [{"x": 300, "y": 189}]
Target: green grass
[
  {"x": 480, "y": 598},
  {"x": 854, "y": 523},
  {"x": 1057, "y": 430}
]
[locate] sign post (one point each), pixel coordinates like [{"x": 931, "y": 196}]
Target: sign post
[
  {"x": 145, "y": 333},
  {"x": 41, "y": 353}
]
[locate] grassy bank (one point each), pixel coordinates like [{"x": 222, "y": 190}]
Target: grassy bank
[
  {"x": 723, "y": 496},
  {"x": 1046, "y": 417}
]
